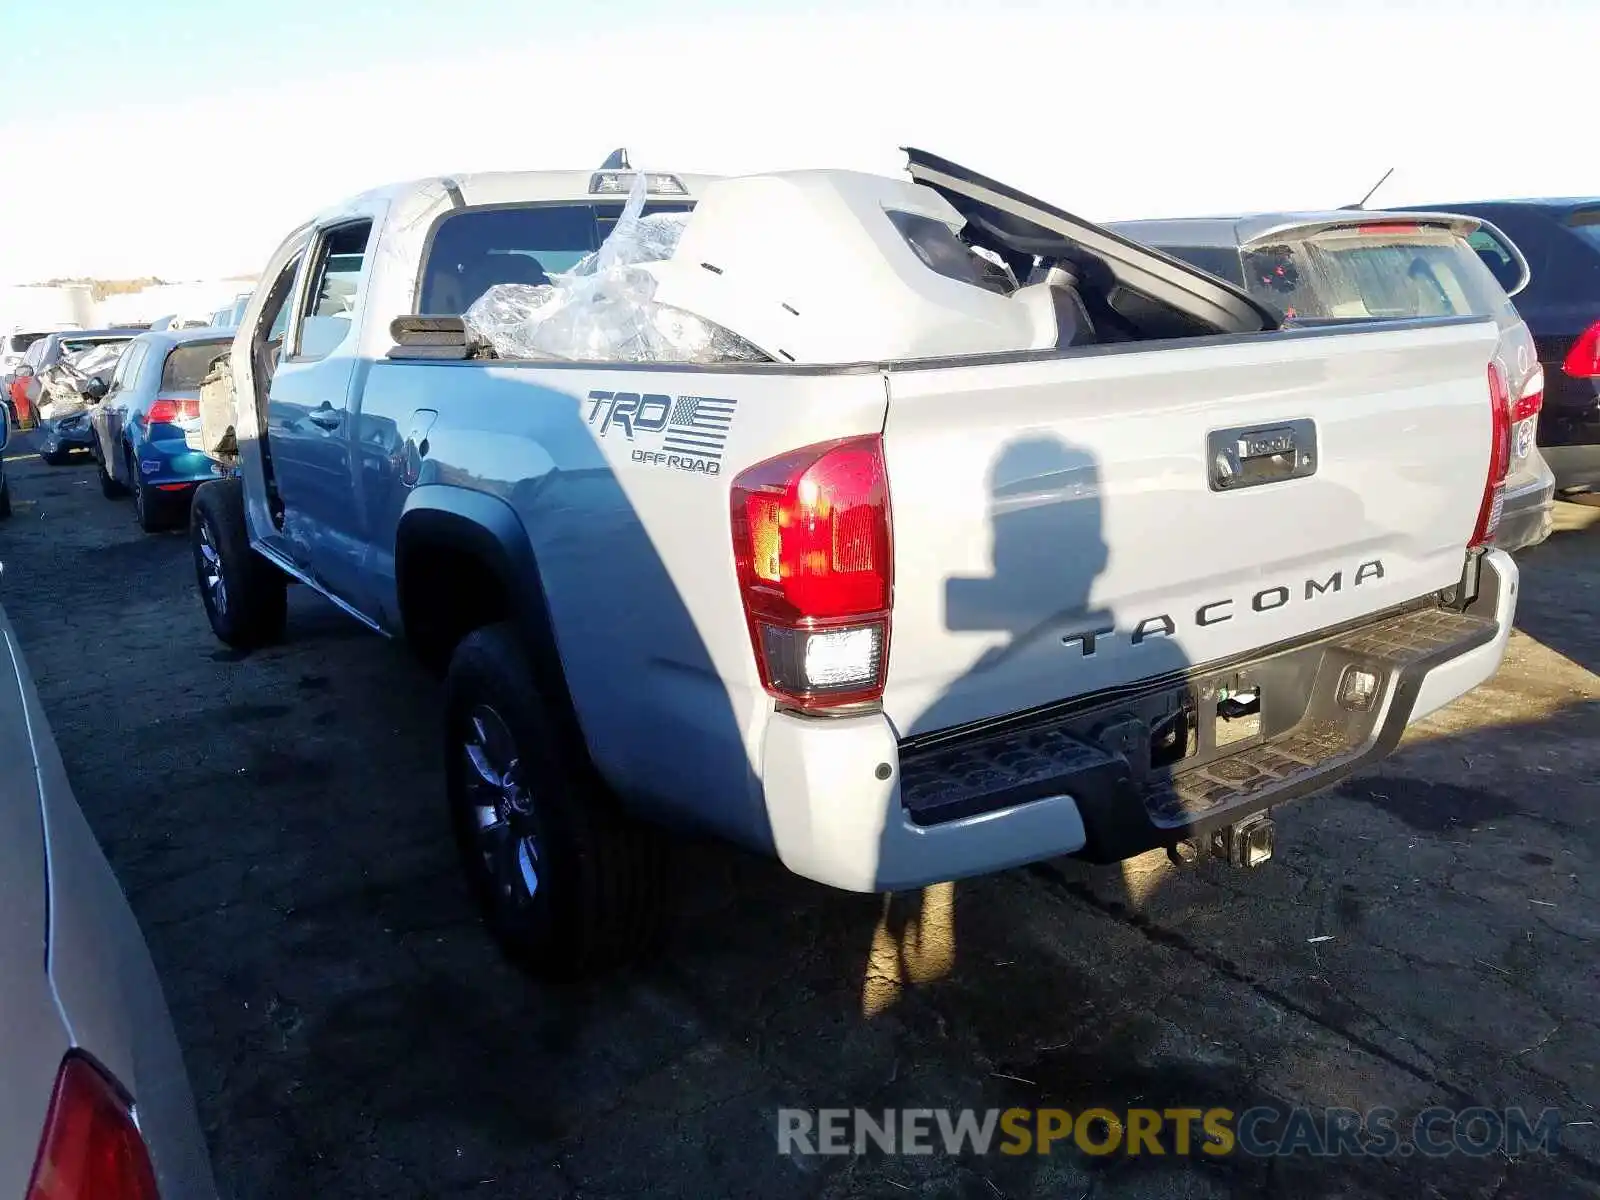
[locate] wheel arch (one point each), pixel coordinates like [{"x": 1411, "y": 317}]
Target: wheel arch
[{"x": 451, "y": 540}]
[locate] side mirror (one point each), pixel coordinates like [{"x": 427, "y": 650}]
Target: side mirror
[
  {"x": 5, "y": 426},
  {"x": 94, "y": 389},
  {"x": 25, "y": 371}
]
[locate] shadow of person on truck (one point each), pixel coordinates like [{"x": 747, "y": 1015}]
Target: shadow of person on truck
[{"x": 1043, "y": 629}]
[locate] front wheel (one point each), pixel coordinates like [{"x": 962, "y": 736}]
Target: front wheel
[
  {"x": 245, "y": 596},
  {"x": 568, "y": 884}
]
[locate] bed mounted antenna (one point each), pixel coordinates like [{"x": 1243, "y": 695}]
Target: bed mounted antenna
[
  {"x": 617, "y": 161},
  {"x": 1362, "y": 203}
]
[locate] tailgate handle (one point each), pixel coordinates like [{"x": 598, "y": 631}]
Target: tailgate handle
[{"x": 1250, "y": 456}]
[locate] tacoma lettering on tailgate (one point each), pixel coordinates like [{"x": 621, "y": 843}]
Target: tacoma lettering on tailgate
[{"x": 1217, "y": 611}]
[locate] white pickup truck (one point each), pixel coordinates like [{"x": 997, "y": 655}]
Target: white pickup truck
[{"x": 940, "y": 612}]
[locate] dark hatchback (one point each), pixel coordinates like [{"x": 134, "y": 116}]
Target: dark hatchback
[{"x": 1560, "y": 238}]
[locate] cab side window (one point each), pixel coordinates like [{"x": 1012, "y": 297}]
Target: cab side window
[{"x": 331, "y": 299}]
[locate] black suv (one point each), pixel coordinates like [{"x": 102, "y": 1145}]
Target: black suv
[{"x": 1561, "y": 305}]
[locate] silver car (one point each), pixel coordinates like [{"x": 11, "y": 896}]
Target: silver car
[
  {"x": 94, "y": 1100},
  {"x": 1356, "y": 265}
]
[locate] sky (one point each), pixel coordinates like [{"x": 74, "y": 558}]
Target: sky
[{"x": 185, "y": 139}]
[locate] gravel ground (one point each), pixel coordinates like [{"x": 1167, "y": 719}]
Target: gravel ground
[{"x": 1427, "y": 936}]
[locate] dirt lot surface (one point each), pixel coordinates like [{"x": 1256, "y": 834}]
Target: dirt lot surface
[{"x": 1427, "y": 936}]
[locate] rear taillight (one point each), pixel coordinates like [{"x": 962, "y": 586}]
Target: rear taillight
[
  {"x": 1494, "y": 487},
  {"x": 91, "y": 1149},
  {"x": 811, "y": 540},
  {"x": 1531, "y": 399},
  {"x": 1583, "y": 360},
  {"x": 168, "y": 411}
]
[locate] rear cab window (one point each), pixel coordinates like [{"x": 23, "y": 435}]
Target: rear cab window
[
  {"x": 472, "y": 249},
  {"x": 1383, "y": 272}
]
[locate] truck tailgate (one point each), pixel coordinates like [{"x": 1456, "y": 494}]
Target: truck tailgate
[{"x": 1062, "y": 525}]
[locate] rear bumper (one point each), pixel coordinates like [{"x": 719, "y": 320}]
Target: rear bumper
[
  {"x": 1574, "y": 466},
  {"x": 1529, "y": 514},
  {"x": 170, "y": 461},
  {"x": 851, "y": 806},
  {"x": 74, "y": 437}
]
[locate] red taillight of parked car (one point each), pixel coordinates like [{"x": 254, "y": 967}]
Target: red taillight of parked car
[
  {"x": 91, "y": 1149},
  {"x": 169, "y": 411},
  {"x": 1583, "y": 360},
  {"x": 1494, "y": 487},
  {"x": 812, "y": 545}
]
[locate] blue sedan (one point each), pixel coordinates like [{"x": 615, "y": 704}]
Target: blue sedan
[{"x": 147, "y": 429}]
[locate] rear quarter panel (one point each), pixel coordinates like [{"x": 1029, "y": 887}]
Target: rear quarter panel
[{"x": 635, "y": 554}]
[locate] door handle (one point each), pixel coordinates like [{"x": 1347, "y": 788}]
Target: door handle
[
  {"x": 1250, "y": 456},
  {"x": 326, "y": 417}
]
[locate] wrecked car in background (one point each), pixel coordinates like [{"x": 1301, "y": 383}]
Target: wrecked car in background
[
  {"x": 1358, "y": 265},
  {"x": 79, "y": 381},
  {"x": 904, "y": 530}
]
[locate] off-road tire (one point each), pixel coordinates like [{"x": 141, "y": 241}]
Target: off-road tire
[
  {"x": 254, "y": 601},
  {"x": 599, "y": 899}
]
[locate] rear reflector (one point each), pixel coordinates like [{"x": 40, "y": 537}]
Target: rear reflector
[
  {"x": 1583, "y": 360},
  {"x": 91, "y": 1149},
  {"x": 811, "y": 541},
  {"x": 1494, "y": 487}
]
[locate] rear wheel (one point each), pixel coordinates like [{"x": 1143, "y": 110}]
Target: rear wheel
[
  {"x": 567, "y": 882},
  {"x": 245, "y": 596},
  {"x": 151, "y": 508}
]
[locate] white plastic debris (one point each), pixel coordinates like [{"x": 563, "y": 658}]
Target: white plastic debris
[{"x": 604, "y": 309}]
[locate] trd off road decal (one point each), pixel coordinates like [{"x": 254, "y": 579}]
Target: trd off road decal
[{"x": 685, "y": 432}]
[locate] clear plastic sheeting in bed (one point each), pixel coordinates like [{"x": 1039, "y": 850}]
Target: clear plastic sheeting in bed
[{"x": 604, "y": 309}]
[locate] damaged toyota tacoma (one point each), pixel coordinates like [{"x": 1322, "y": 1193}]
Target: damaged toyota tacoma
[{"x": 904, "y": 530}]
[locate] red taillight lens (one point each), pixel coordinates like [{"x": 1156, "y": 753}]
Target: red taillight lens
[
  {"x": 811, "y": 541},
  {"x": 1494, "y": 487},
  {"x": 1583, "y": 360},
  {"x": 91, "y": 1148},
  {"x": 168, "y": 411}
]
